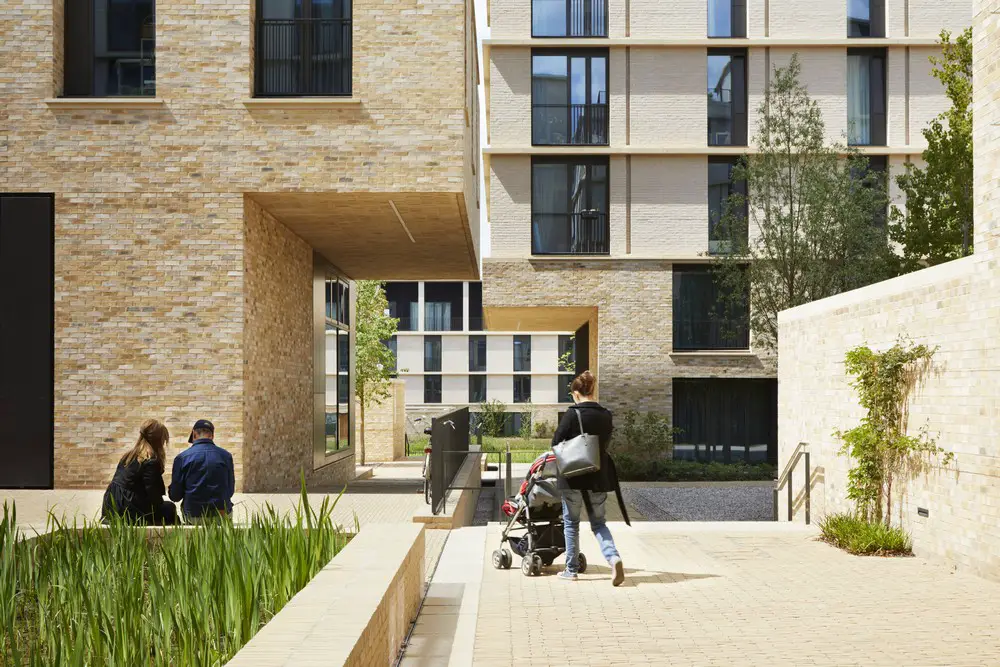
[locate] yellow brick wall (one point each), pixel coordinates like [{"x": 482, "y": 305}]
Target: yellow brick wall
[{"x": 385, "y": 426}]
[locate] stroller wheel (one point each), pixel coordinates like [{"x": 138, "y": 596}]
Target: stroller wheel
[
  {"x": 498, "y": 559},
  {"x": 526, "y": 566},
  {"x": 536, "y": 564},
  {"x": 581, "y": 563},
  {"x": 508, "y": 559}
]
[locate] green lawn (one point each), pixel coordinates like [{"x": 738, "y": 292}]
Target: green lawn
[{"x": 521, "y": 450}]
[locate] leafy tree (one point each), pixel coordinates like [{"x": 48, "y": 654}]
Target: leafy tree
[
  {"x": 937, "y": 224},
  {"x": 812, "y": 227},
  {"x": 374, "y": 362}
]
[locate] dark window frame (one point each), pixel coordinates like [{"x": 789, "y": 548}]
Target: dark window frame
[
  {"x": 603, "y": 29},
  {"x": 565, "y": 381},
  {"x": 723, "y": 339},
  {"x": 476, "y": 322},
  {"x": 739, "y": 95},
  {"x": 431, "y": 340},
  {"x": 81, "y": 53},
  {"x": 735, "y": 187},
  {"x": 519, "y": 397},
  {"x": 569, "y": 54},
  {"x": 476, "y": 340},
  {"x": 876, "y": 21},
  {"x": 432, "y": 394},
  {"x": 522, "y": 339},
  {"x": 737, "y": 21},
  {"x": 572, "y": 161},
  {"x": 474, "y": 396},
  {"x": 878, "y": 67}
]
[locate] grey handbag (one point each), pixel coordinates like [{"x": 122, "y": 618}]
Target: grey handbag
[{"x": 579, "y": 455}]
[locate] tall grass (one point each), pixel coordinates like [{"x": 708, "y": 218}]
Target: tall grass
[
  {"x": 862, "y": 537},
  {"x": 122, "y": 595}
]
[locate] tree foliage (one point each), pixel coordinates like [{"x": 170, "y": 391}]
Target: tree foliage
[
  {"x": 937, "y": 224},
  {"x": 374, "y": 361},
  {"x": 812, "y": 227}
]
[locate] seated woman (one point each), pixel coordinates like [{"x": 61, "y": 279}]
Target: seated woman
[{"x": 136, "y": 492}]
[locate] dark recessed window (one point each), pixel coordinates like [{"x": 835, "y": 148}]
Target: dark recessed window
[
  {"x": 726, "y": 420},
  {"x": 303, "y": 48},
  {"x": 477, "y": 354},
  {"x": 522, "y": 388},
  {"x": 110, "y": 49},
  {"x": 569, "y": 98},
  {"x": 878, "y": 171},
  {"x": 727, "y": 97},
  {"x": 393, "y": 345},
  {"x": 432, "y": 354},
  {"x": 567, "y": 353},
  {"x": 442, "y": 306},
  {"x": 866, "y": 18},
  {"x": 720, "y": 187},
  {"x": 569, "y": 18},
  {"x": 432, "y": 389},
  {"x": 404, "y": 304},
  {"x": 704, "y": 318},
  {"x": 477, "y": 388},
  {"x": 866, "y": 97},
  {"x": 727, "y": 18},
  {"x": 476, "y": 307},
  {"x": 565, "y": 382},
  {"x": 569, "y": 206},
  {"x": 522, "y": 354}
]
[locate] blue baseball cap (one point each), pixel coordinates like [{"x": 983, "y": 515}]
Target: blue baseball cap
[{"x": 201, "y": 425}]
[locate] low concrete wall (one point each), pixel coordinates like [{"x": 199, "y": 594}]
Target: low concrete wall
[
  {"x": 385, "y": 427},
  {"x": 356, "y": 611}
]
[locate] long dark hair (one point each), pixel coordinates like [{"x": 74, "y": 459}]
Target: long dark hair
[{"x": 152, "y": 444}]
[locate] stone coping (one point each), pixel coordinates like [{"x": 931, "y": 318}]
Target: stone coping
[
  {"x": 461, "y": 506},
  {"x": 708, "y": 42},
  {"x": 300, "y": 102},
  {"x": 99, "y": 103},
  {"x": 356, "y": 610}
]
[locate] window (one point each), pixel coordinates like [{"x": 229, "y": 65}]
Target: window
[
  {"x": 866, "y": 18},
  {"x": 109, "y": 48},
  {"x": 477, "y": 354},
  {"x": 569, "y": 206},
  {"x": 432, "y": 389},
  {"x": 703, "y": 318},
  {"x": 522, "y": 354},
  {"x": 567, "y": 353},
  {"x": 866, "y": 97},
  {"x": 878, "y": 169},
  {"x": 726, "y": 420},
  {"x": 569, "y": 18},
  {"x": 393, "y": 345},
  {"x": 443, "y": 307},
  {"x": 727, "y": 18},
  {"x": 303, "y": 48},
  {"x": 522, "y": 389},
  {"x": 475, "y": 306},
  {"x": 477, "y": 388},
  {"x": 727, "y": 97},
  {"x": 404, "y": 304},
  {"x": 720, "y": 187},
  {"x": 432, "y": 354},
  {"x": 565, "y": 382},
  {"x": 336, "y": 365},
  {"x": 569, "y": 98}
]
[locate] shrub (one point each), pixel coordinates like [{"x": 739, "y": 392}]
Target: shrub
[
  {"x": 492, "y": 418},
  {"x": 640, "y": 435},
  {"x": 859, "y": 536},
  {"x": 663, "y": 469},
  {"x": 543, "y": 429},
  {"x": 527, "y": 418}
]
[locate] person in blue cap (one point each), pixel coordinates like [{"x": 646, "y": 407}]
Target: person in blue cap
[{"x": 203, "y": 479}]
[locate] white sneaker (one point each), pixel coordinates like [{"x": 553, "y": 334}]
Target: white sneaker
[
  {"x": 566, "y": 575},
  {"x": 617, "y": 572}
]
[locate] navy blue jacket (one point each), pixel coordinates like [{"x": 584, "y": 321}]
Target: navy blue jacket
[{"x": 203, "y": 479}]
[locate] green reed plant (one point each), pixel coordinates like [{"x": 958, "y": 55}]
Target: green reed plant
[{"x": 125, "y": 595}]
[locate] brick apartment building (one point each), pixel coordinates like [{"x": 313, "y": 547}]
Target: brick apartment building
[
  {"x": 188, "y": 190},
  {"x": 613, "y": 126}
]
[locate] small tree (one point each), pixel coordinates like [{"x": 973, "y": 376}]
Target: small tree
[
  {"x": 883, "y": 453},
  {"x": 937, "y": 224},
  {"x": 811, "y": 231},
  {"x": 527, "y": 419},
  {"x": 374, "y": 362},
  {"x": 492, "y": 418}
]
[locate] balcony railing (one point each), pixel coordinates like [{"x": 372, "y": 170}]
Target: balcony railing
[
  {"x": 303, "y": 57},
  {"x": 569, "y": 125},
  {"x": 711, "y": 334},
  {"x": 580, "y": 18},
  {"x": 443, "y": 323},
  {"x": 584, "y": 233}
]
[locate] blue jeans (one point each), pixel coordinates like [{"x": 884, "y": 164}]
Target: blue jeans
[{"x": 572, "y": 502}]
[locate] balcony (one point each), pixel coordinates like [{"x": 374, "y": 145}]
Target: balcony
[
  {"x": 303, "y": 57},
  {"x": 583, "y": 233},
  {"x": 569, "y": 124},
  {"x": 569, "y": 18}
]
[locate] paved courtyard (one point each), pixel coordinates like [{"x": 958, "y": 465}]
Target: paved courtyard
[{"x": 707, "y": 594}]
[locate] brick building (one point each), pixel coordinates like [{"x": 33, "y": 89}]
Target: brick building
[
  {"x": 204, "y": 180},
  {"x": 613, "y": 126}
]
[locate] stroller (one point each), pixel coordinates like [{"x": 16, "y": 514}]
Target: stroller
[{"x": 534, "y": 528}]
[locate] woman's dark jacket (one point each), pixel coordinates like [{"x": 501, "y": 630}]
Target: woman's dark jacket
[
  {"x": 136, "y": 491},
  {"x": 597, "y": 421}
]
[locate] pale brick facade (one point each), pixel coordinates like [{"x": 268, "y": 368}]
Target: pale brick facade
[
  {"x": 954, "y": 307},
  {"x": 185, "y": 224},
  {"x": 658, "y": 158}
]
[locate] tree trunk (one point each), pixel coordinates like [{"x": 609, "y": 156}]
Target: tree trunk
[{"x": 361, "y": 432}]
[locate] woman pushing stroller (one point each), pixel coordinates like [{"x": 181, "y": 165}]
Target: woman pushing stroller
[{"x": 589, "y": 490}]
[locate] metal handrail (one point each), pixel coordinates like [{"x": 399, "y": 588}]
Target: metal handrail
[{"x": 802, "y": 449}]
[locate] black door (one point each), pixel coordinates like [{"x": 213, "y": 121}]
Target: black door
[{"x": 26, "y": 340}]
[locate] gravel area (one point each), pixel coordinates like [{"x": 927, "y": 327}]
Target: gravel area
[{"x": 702, "y": 503}]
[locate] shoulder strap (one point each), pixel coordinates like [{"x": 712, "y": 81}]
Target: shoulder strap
[{"x": 579, "y": 419}]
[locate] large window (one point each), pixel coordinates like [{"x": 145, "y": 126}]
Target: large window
[
  {"x": 720, "y": 186},
  {"x": 726, "y": 420},
  {"x": 522, "y": 354},
  {"x": 522, "y": 389},
  {"x": 477, "y": 354},
  {"x": 727, "y": 18},
  {"x": 477, "y": 388},
  {"x": 866, "y": 18},
  {"x": 569, "y": 18},
  {"x": 567, "y": 353},
  {"x": 878, "y": 171},
  {"x": 565, "y": 383},
  {"x": 303, "y": 48},
  {"x": 432, "y": 354},
  {"x": 704, "y": 317},
  {"x": 866, "y": 97},
  {"x": 442, "y": 306},
  {"x": 110, "y": 48},
  {"x": 432, "y": 389},
  {"x": 404, "y": 304},
  {"x": 337, "y": 316},
  {"x": 569, "y": 98},
  {"x": 727, "y": 97},
  {"x": 569, "y": 206},
  {"x": 476, "y": 307}
]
